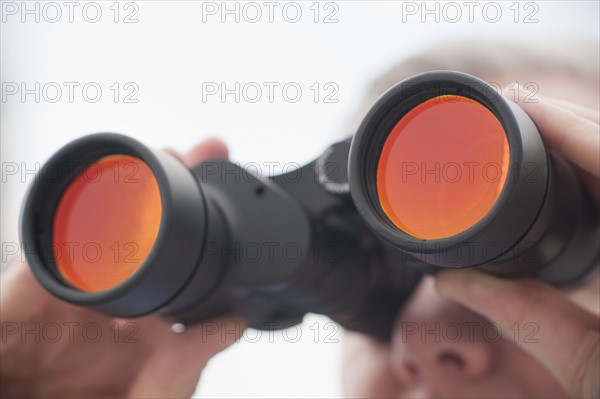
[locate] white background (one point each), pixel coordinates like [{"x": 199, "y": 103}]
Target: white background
[{"x": 170, "y": 52}]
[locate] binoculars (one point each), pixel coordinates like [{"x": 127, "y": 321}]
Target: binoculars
[{"x": 443, "y": 172}]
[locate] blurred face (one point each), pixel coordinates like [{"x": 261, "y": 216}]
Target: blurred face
[{"x": 440, "y": 349}]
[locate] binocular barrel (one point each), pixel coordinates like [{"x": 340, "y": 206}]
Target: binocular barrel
[
  {"x": 446, "y": 169},
  {"x": 443, "y": 171}
]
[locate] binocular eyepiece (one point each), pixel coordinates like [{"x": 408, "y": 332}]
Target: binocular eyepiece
[{"x": 442, "y": 172}]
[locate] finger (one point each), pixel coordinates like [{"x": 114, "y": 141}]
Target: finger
[
  {"x": 584, "y": 112},
  {"x": 366, "y": 368},
  {"x": 209, "y": 149},
  {"x": 174, "y": 368},
  {"x": 16, "y": 261},
  {"x": 566, "y": 336},
  {"x": 17, "y": 275},
  {"x": 576, "y": 138}
]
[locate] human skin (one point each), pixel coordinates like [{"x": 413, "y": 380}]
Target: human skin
[
  {"x": 144, "y": 358},
  {"x": 563, "y": 357},
  {"x": 165, "y": 364}
]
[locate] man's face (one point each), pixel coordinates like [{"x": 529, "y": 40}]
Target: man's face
[
  {"x": 440, "y": 349},
  {"x": 457, "y": 353}
]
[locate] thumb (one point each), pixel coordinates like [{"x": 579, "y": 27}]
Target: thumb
[
  {"x": 566, "y": 337},
  {"x": 212, "y": 148},
  {"x": 173, "y": 370},
  {"x": 207, "y": 150}
]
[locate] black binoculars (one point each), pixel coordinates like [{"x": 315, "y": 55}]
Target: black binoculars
[{"x": 443, "y": 172}]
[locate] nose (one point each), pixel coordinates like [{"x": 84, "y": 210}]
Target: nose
[{"x": 438, "y": 343}]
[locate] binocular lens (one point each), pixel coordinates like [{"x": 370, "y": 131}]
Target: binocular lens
[
  {"x": 442, "y": 167},
  {"x": 106, "y": 223}
]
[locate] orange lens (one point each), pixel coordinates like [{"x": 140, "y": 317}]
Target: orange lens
[
  {"x": 106, "y": 223},
  {"x": 442, "y": 167}
]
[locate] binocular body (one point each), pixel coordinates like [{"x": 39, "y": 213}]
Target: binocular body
[{"x": 348, "y": 235}]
